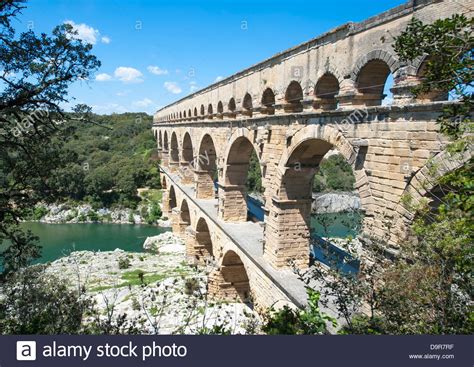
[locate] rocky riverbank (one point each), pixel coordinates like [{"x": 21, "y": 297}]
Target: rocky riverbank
[
  {"x": 156, "y": 291},
  {"x": 335, "y": 202},
  {"x": 85, "y": 213}
]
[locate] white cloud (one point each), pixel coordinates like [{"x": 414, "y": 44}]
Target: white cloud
[
  {"x": 103, "y": 77},
  {"x": 143, "y": 103},
  {"x": 157, "y": 70},
  {"x": 87, "y": 33},
  {"x": 218, "y": 79},
  {"x": 84, "y": 32},
  {"x": 173, "y": 87},
  {"x": 128, "y": 74},
  {"x": 122, "y": 93}
]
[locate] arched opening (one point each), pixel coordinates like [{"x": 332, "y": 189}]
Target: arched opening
[
  {"x": 371, "y": 83},
  {"x": 325, "y": 92},
  {"x": 160, "y": 141},
  {"x": 220, "y": 109},
  {"x": 206, "y": 169},
  {"x": 189, "y": 113},
  {"x": 184, "y": 213},
  {"x": 203, "y": 111},
  {"x": 163, "y": 182},
  {"x": 165, "y": 142},
  {"x": 242, "y": 177},
  {"x": 184, "y": 114},
  {"x": 230, "y": 282},
  {"x": 195, "y": 112},
  {"x": 174, "y": 152},
  {"x": 181, "y": 219},
  {"x": 187, "y": 161},
  {"x": 210, "y": 111},
  {"x": 231, "y": 107},
  {"x": 172, "y": 198},
  {"x": 247, "y": 105},
  {"x": 294, "y": 97},
  {"x": 288, "y": 226},
  {"x": 268, "y": 102},
  {"x": 180, "y": 116},
  {"x": 203, "y": 247}
]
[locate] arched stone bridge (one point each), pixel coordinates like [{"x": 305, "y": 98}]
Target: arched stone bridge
[{"x": 291, "y": 110}]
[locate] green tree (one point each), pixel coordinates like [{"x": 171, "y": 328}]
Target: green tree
[
  {"x": 335, "y": 174},
  {"x": 35, "y": 74}
]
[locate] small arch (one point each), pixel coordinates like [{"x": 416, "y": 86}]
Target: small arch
[
  {"x": 294, "y": 97},
  {"x": 203, "y": 111},
  {"x": 247, "y": 105},
  {"x": 220, "y": 109},
  {"x": 326, "y": 90},
  {"x": 371, "y": 82},
  {"x": 231, "y": 106},
  {"x": 195, "y": 112},
  {"x": 210, "y": 111},
  {"x": 268, "y": 102},
  {"x": 184, "y": 114}
]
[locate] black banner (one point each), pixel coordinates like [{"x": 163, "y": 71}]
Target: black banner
[{"x": 243, "y": 351}]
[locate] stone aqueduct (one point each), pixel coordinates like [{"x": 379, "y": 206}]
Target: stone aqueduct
[{"x": 291, "y": 110}]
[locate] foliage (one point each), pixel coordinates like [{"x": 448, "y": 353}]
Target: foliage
[
  {"x": 36, "y": 71},
  {"x": 335, "y": 174},
  {"x": 40, "y": 303},
  {"x": 448, "y": 45},
  {"x": 289, "y": 321},
  {"x": 254, "y": 175},
  {"x": 124, "y": 263}
]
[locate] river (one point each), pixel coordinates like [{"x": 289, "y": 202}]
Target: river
[{"x": 58, "y": 240}]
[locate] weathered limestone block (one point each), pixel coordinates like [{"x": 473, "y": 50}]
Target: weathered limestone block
[
  {"x": 204, "y": 184},
  {"x": 232, "y": 203}
]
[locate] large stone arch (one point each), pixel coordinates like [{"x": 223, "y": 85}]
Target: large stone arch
[
  {"x": 174, "y": 152},
  {"x": 288, "y": 229},
  {"x": 181, "y": 218},
  {"x": 420, "y": 186},
  {"x": 206, "y": 168},
  {"x": 199, "y": 245},
  {"x": 186, "y": 162},
  {"x": 232, "y": 194},
  {"x": 230, "y": 281}
]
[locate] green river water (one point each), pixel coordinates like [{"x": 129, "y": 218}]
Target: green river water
[{"x": 58, "y": 240}]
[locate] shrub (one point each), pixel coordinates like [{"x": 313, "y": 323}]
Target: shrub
[{"x": 124, "y": 263}]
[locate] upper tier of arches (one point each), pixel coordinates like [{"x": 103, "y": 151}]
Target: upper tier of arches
[{"x": 367, "y": 85}]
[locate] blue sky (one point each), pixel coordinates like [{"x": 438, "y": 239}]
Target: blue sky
[{"x": 155, "y": 52}]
